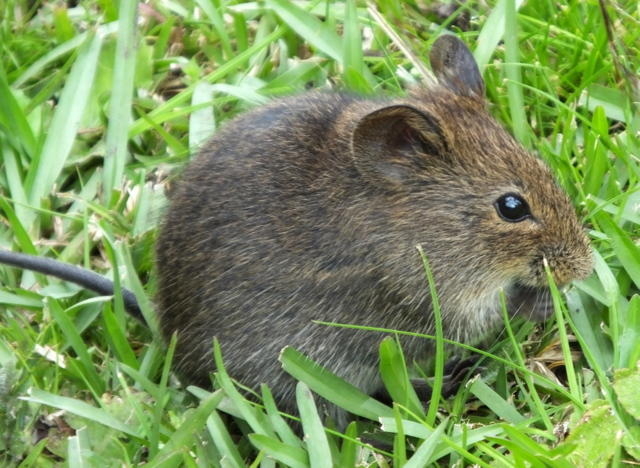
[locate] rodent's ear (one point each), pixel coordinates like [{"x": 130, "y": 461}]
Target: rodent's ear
[
  {"x": 389, "y": 144},
  {"x": 455, "y": 67}
]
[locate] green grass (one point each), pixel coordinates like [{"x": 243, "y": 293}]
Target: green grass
[{"x": 99, "y": 111}]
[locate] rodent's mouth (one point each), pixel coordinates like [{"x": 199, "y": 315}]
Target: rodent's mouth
[{"x": 531, "y": 302}]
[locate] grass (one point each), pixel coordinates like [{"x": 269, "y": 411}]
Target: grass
[{"x": 100, "y": 111}]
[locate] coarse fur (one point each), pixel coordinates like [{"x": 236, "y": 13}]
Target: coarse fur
[{"x": 311, "y": 208}]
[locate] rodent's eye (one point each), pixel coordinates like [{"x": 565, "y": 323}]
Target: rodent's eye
[{"x": 512, "y": 208}]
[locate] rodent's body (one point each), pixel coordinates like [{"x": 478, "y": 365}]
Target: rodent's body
[
  {"x": 281, "y": 233},
  {"x": 311, "y": 209}
]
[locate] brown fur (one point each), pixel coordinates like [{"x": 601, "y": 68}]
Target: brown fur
[{"x": 311, "y": 207}]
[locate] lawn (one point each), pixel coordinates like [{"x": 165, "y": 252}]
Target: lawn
[{"x": 102, "y": 104}]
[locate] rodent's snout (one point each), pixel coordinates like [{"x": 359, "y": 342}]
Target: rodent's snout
[{"x": 568, "y": 263}]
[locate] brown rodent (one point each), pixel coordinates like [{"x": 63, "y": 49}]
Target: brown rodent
[{"x": 311, "y": 208}]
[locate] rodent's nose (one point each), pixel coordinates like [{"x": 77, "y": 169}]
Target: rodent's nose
[{"x": 569, "y": 264}]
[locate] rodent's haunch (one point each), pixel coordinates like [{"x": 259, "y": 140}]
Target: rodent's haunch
[{"x": 311, "y": 207}]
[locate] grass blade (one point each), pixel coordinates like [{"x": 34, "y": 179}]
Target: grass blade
[
  {"x": 294, "y": 457},
  {"x": 626, "y": 250},
  {"x": 79, "y": 449},
  {"x": 309, "y": 27},
  {"x": 495, "y": 402},
  {"x": 65, "y": 123},
  {"x": 393, "y": 371},
  {"x": 314, "y": 436},
  {"x": 202, "y": 121},
  {"x": 188, "y": 431},
  {"x": 14, "y": 120},
  {"x": 331, "y": 387},
  {"x": 66, "y": 325},
  {"x": 427, "y": 448},
  {"x": 629, "y": 342},
  {"x": 514, "y": 78},
  {"x": 348, "y": 452},
  {"x": 222, "y": 439},
  {"x": 277, "y": 421},
  {"x": 438, "y": 376},
  {"x": 356, "y": 75},
  {"x": 492, "y": 32},
  {"x": 120, "y": 103},
  {"x": 217, "y": 22},
  {"x": 80, "y": 408},
  {"x": 255, "y": 419}
]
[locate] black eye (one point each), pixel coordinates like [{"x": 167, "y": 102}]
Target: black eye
[{"x": 512, "y": 208}]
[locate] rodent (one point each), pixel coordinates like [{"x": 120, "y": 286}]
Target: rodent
[{"x": 311, "y": 208}]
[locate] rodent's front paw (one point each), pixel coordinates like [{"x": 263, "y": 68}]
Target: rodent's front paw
[
  {"x": 532, "y": 303},
  {"x": 456, "y": 371}
]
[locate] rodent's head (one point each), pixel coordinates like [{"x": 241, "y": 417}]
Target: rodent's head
[{"x": 493, "y": 212}]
